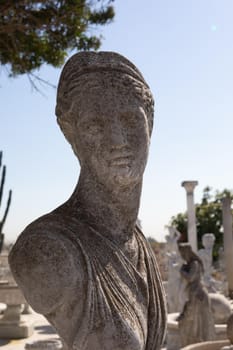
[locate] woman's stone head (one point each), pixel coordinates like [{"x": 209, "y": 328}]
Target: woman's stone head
[
  {"x": 85, "y": 70},
  {"x": 103, "y": 106}
]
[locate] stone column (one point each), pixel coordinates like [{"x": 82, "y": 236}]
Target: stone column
[
  {"x": 192, "y": 229},
  {"x": 228, "y": 242}
]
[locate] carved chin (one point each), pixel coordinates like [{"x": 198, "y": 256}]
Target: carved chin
[
  {"x": 126, "y": 176},
  {"x": 117, "y": 174}
]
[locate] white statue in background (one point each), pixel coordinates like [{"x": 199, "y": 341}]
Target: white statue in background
[{"x": 206, "y": 255}]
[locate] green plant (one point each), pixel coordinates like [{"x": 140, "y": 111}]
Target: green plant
[
  {"x": 8, "y": 203},
  {"x": 208, "y": 218}
]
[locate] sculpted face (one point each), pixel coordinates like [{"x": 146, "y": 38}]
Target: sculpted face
[
  {"x": 185, "y": 252},
  {"x": 208, "y": 240},
  {"x": 111, "y": 136}
]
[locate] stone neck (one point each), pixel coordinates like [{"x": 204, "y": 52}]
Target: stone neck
[{"x": 111, "y": 212}]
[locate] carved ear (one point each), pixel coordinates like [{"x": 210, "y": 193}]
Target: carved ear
[
  {"x": 67, "y": 129},
  {"x": 67, "y": 124}
]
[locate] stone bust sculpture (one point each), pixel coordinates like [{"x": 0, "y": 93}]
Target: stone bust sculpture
[{"x": 86, "y": 266}]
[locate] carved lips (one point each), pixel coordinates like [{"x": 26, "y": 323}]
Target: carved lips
[{"x": 121, "y": 160}]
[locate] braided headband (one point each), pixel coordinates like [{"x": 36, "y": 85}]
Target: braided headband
[
  {"x": 84, "y": 63},
  {"x": 76, "y": 74}
]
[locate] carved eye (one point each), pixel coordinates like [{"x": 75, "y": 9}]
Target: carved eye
[
  {"x": 94, "y": 129},
  {"x": 132, "y": 118},
  {"x": 91, "y": 127}
]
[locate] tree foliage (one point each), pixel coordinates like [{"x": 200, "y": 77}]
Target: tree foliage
[
  {"x": 36, "y": 32},
  {"x": 208, "y": 218}
]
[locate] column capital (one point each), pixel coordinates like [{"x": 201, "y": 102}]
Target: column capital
[{"x": 189, "y": 186}]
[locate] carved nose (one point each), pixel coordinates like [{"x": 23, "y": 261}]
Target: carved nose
[{"x": 117, "y": 135}]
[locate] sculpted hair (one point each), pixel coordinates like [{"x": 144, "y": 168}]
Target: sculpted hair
[
  {"x": 186, "y": 247},
  {"x": 86, "y": 70}
]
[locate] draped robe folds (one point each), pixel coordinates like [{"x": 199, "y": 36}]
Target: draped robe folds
[
  {"x": 123, "y": 302},
  {"x": 196, "y": 322}
]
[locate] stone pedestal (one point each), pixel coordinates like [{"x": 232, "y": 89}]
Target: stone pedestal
[
  {"x": 27, "y": 310},
  {"x": 12, "y": 324},
  {"x": 228, "y": 242},
  {"x": 173, "y": 335},
  {"x": 10, "y": 330},
  {"x": 192, "y": 230},
  {"x": 47, "y": 344}
]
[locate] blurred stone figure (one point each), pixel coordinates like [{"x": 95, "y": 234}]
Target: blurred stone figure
[
  {"x": 176, "y": 285},
  {"x": 196, "y": 323},
  {"x": 86, "y": 266},
  {"x": 206, "y": 255}
]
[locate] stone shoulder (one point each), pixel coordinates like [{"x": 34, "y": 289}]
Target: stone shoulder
[{"x": 46, "y": 265}]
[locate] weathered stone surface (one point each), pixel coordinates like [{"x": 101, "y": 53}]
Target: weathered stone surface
[{"x": 86, "y": 265}]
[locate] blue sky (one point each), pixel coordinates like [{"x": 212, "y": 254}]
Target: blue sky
[{"x": 184, "y": 49}]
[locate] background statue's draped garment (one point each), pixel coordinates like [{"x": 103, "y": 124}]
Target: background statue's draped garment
[
  {"x": 123, "y": 301},
  {"x": 197, "y": 321}
]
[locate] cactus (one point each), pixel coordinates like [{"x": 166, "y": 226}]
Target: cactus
[{"x": 2, "y": 182}]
